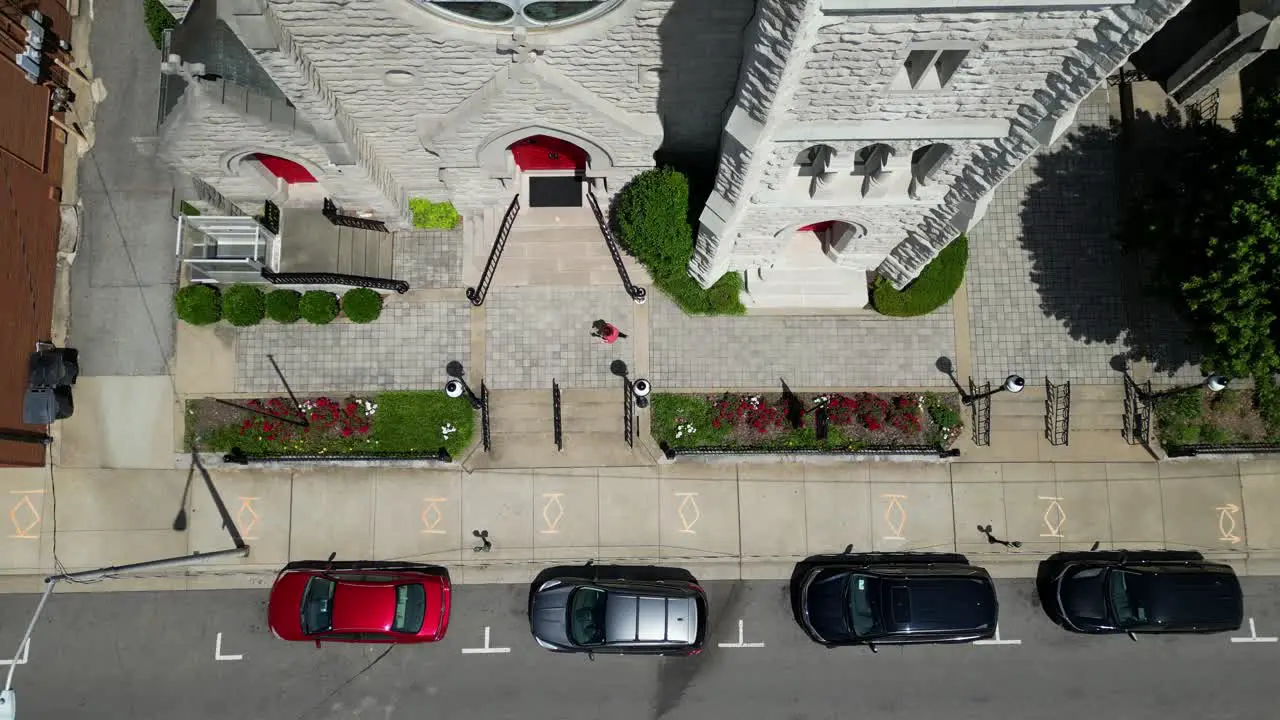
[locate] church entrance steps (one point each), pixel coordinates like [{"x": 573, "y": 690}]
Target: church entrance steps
[
  {"x": 573, "y": 256},
  {"x": 830, "y": 287},
  {"x": 522, "y": 429}
]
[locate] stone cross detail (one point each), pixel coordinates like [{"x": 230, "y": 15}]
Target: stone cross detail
[{"x": 519, "y": 47}]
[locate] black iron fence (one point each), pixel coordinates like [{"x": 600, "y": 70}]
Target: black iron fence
[
  {"x": 270, "y": 217},
  {"x": 477, "y": 294},
  {"x": 1057, "y": 412},
  {"x": 980, "y": 412},
  {"x": 555, "y": 410},
  {"x": 335, "y": 216},
  {"x": 1137, "y": 412},
  {"x": 628, "y": 413},
  {"x": 399, "y": 286},
  {"x": 905, "y": 450},
  {"x": 1232, "y": 449},
  {"x": 239, "y": 457},
  {"x": 485, "y": 436},
  {"x": 637, "y": 293}
]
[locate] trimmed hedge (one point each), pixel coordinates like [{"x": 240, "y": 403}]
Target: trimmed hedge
[
  {"x": 318, "y": 307},
  {"x": 243, "y": 305},
  {"x": 158, "y": 19},
  {"x": 936, "y": 284},
  {"x": 198, "y": 304},
  {"x": 282, "y": 306},
  {"x": 652, "y": 218},
  {"x": 433, "y": 216},
  {"x": 361, "y": 305}
]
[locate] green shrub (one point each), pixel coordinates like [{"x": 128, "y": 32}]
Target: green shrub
[
  {"x": 361, "y": 305},
  {"x": 651, "y": 215},
  {"x": 1267, "y": 397},
  {"x": 243, "y": 305},
  {"x": 187, "y": 208},
  {"x": 198, "y": 304},
  {"x": 282, "y": 306},
  {"x": 318, "y": 307},
  {"x": 158, "y": 19},
  {"x": 931, "y": 290},
  {"x": 433, "y": 216}
]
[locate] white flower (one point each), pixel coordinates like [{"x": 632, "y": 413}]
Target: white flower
[{"x": 447, "y": 429}]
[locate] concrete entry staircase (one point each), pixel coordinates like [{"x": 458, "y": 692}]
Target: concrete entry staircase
[
  {"x": 1096, "y": 421},
  {"x": 522, "y": 431},
  {"x": 310, "y": 243}
]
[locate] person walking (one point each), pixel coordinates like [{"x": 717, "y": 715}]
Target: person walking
[{"x": 607, "y": 332}]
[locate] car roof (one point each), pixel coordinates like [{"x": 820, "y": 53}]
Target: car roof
[
  {"x": 363, "y": 601},
  {"x": 939, "y": 603},
  {"x": 1193, "y": 596},
  {"x": 633, "y": 615}
]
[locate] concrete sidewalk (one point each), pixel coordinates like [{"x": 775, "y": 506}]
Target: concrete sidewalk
[{"x": 722, "y": 521}]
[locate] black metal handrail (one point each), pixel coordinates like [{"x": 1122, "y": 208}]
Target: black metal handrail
[
  {"x": 924, "y": 450},
  {"x": 637, "y": 293},
  {"x": 555, "y": 410},
  {"x": 270, "y": 217},
  {"x": 477, "y": 294},
  {"x": 1057, "y": 412},
  {"x": 628, "y": 413},
  {"x": 980, "y": 410},
  {"x": 239, "y": 457},
  {"x": 1137, "y": 412},
  {"x": 399, "y": 286},
  {"x": 485, "y": 437},
  {"x": 333, "y": 215},
  {"x": 1231, "y": 449}
]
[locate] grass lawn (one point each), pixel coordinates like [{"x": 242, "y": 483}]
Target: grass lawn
[
  {"x": 931, "y": 290},
  {"x": 417, "y": 421}
]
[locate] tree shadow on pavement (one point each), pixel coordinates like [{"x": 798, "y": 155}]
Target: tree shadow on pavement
[{"x": 1072, "y": 229}]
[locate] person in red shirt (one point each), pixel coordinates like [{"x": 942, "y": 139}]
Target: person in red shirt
[{"x": 607, "y": 332}]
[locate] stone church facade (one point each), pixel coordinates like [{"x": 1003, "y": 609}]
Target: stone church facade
[{"x": 870, "y": 132}]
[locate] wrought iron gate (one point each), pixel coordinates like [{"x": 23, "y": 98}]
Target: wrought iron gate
[
  {"x": 1057, "y": 412},
  {"x": 980, "y": 412},
  {"x": 555, "y": 409}
]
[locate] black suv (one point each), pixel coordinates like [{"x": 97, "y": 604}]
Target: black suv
[
  {"x": 893, "y": 599},
  {"x": 1151, "y": 591}
]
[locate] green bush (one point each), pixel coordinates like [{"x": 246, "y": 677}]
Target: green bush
[
  {"x": 243, "y": 305},
  {"x": 282, "y": 306},
  {"x": 198, "y": 304},
  {"x": 651, "y": 215},
  {"x": 361, "y": 305},
  {"x": 158, "y": 19},
  {"x": 931, "y": 290},
  {"x": 187, "y": 208},
  {"x": 433, "y": 216},
  {"x": 318, "y": 307}
]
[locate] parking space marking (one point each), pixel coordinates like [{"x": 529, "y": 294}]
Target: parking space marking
[
  {"x": 432, "y": 516},
  {"x": 22, "y": 655},
  {"x": 997, "y": 641},
  {"x": 24, "y": 516},
  {"x": 1253, "y": 636},
  {"x": 217, "y": 650},
  {"x": 1054, "y": 517},
  {"x": 1227, "y": 523},
  {"x": 895, "y": 516},
  {"x": 247, "y": 518},
  {"x": 688, "y": 511},
  {"x": 486, "y": 650},
  {"x": 740, "y": 643},
  {"x": 552, "y": 513}
]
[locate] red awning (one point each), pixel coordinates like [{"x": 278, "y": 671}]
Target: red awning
[
  {"x": 541, "y": 152},
  {"x": 287, "y": 170}
]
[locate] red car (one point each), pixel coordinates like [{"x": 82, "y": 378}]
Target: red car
[{"x": 360, "y": 602}]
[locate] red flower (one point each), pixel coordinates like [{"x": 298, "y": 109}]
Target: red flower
[{"x": 346, "y": 432}]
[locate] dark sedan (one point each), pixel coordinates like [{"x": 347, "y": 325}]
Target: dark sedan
[
  {"x": 894, "y": 599},
  {"x": 1113, "y": 592},
  {"x": 610, "y": 612}
]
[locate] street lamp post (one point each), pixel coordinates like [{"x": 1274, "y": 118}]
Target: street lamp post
[
  {"x": 1214, "y": 383},
  {"x": 1011, "y": 384},
  {"x": 641, "y": 389},
  {"x": 457, "y": 387}
]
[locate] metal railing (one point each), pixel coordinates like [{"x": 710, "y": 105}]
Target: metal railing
[
  {"x": 270, "y": 217},
  {"x": 1137, "y": 412},
  {"x": 980, "y": 412},
  {"x": 1230, "y": 449},
  {"x": 1205, "y": 110},
  {"x": 628, "y": 413},
  {"x": 477, "y": 294},
  {"x": 555, "y": 410},
  {"x": 1057, "y": 412},
  {"x": 239, "y": 457},
  {"x": 317, "y": 278},
  {"x": 485, "y": 436},
  {"x": 916, "y": 450},
  {"x": 637, "y": 293},
  {"x": 332, "y": 214}
]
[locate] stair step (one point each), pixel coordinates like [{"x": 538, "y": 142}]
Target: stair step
[
  {"x": 538, "y": 449},
  {"x": 386, "y": 255},
  {"x": 345, "y": 260}
]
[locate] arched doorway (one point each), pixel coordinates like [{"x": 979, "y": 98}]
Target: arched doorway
[
  {"x": 555, "y": 170},
  {"x": 290, "y": 172},
  {"x": 833, "y": 237}
]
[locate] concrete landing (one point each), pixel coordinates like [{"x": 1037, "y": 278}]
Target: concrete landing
[{"x": 522, "y": 430}]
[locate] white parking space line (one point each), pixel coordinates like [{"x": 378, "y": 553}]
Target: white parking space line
[
  {"x": 486, "y": 650},
  {"x": 1253, "y": 636},
  {"x": 22, "y": 655},
  {"x": 997, "y": 641},
  {"x": 217, "y": 650},
  {"x": 740, "y": 643}
]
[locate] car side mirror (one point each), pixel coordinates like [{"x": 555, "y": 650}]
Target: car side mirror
[
  {"x": 591, "y": 655},
  {"x": 1132, "y": 635},
  {"x": 1096, "y": 545},
  {"x": 873, "y": 648},
  {"x": 317, "y": 643}
]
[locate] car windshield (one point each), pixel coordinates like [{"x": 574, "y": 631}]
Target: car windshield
[
  {"x": 317, "y": 606},
  {"x": 863, "y": 596},
  {"x": 411, "y": 608},
  {"x": 586, "y": 616},
  {"x": 1126, "y": 591}
]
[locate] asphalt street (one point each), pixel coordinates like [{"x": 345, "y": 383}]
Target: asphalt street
[{"x": 152, "y": 655}]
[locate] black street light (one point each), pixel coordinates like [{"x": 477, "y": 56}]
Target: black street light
[
  {"x": 641, "y": 389},
  {"x": 457, "y": 387},
  {"x": 1012, "y": 384},
  {"x": 1215, "y": 384}
]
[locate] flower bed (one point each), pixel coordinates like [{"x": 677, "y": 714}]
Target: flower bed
[
  {"x": 1199, "y": 417},
  {"x": 856, "y": 421},
  {"x": 407, "y": 422}
]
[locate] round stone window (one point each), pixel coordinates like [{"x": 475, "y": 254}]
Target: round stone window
[{"x": 526, "y": 13}]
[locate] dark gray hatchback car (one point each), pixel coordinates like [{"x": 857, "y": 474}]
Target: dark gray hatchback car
[{"x": 609, "y": 609}]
